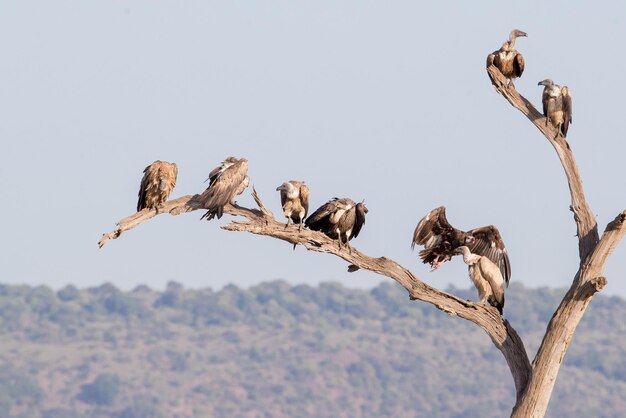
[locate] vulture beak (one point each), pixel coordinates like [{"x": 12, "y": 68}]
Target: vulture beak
[
  {"x": 279, "y": 187},
  {"x": 545, "y": 82},
  {"x": 520, "y": 33}
]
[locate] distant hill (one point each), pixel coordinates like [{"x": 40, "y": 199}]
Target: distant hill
[{"x": 277, "y": 350}]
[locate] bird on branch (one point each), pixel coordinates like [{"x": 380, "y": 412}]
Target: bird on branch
[
  {"x": 159, "y": 179},
  {"x": 557, "y": 105},
  {"x": 440, "y": 240},
  {"x": 226, "y": 181},
  {"x": 294, "y": 198},
  {"x": 485, "y": 275},
  {"x": 507, "y": 59},
  {"x": 339, "y": 219}
]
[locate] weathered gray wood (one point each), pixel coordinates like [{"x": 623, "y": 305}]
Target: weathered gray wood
[{"x": 590, "y": 279}]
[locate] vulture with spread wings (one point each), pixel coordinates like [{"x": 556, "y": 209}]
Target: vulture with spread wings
[
  {"x": 440, "y": 239},
  {"x": 226, "y": 181},
  {"x": 340, "y": 219},
  {"x": 159, "y": 179}
]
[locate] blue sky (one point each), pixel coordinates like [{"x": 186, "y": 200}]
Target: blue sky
[{"x": 387, "y": 102}]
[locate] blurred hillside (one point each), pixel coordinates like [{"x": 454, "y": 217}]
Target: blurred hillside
[{"x": 277, "y": 350}]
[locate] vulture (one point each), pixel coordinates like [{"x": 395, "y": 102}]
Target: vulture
[
  {"x": 294, "y": 198},
  {"x": 440, "y": 239},
  {"x": 226, "y": 181},
  {"x": 507, "y": 59},
  {"x": 340, "y": 219},
  {"x": 557, "y": 105},
  {"x": 159, "y": 179},
  {"x": 485, "y": 275}
]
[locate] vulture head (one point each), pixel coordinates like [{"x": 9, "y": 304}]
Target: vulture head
[
  {"x": 515, "y": 33},
  {"x": 288, "y": 188},
  {"x": 546, "y": 83}
]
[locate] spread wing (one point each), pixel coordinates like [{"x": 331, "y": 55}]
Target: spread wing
[
  {"x": 225, "y": 186},
  {"x": 438, "y": 237},
  {"x": 432, "y": 228},
  {"x": 488, "y": 243},
  {"x": 567, "y": 109},
  {"x": 518, "y": 65}
]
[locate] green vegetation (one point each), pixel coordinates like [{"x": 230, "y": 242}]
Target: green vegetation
[{"x": 277, "y": 350}]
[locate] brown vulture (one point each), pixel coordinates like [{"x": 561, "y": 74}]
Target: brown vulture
[
  {"x": 226, "y": 181},
  {"x": 507, "y": 59},
  {"x": 557, "y": 105},
  {"x": 159, "y": 179},
  {"x": 294, "y": 198},
  {"x": 485, "y": 275},
  {"x": 339, "y": 219},
  {"x": 440, "y": 239}
]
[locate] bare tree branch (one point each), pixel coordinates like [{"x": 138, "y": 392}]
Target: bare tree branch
[
  {"x": 263, "y": 222},
  {"x": 585, "y": 220},
  {"x": 593, "y": 254}
]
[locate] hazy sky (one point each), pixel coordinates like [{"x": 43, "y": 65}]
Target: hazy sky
[{"x": 383, "y": 101}]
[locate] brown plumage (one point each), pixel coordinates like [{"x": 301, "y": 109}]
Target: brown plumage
[
  {"x": 507, "y": 59},
  {"x": 339, "y": 219},
  {"x": 294, "y": 198},
  {"x": 486, "y": 276},
  {"x": 159, "y": 179},
  {"x": 557, "y": 105},
  {"x": 226, "y": 181},
  {"x": 440, "y": 239}
]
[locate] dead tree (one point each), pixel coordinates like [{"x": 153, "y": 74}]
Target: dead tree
[{"x": 533, "y": 382}]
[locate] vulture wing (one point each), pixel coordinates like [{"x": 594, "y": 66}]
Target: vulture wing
[
  {"x": 567, "y": 109},
  {"x": 319, "y": 220},
  {"x": 488, "y": 243},
  {"x": 159, "y": 179},
  {"x": 438, "y": 237},
  {"x": 361, "y": 210},
  {"x": 304, "y": 197},
  {"x": 432, "y": 228},
  {"x": 545, "y": 98},
  {"x": 225, "y": 186},
  {"x": 518, "y": 65}
]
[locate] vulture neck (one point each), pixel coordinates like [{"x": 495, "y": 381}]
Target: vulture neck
[{"x": 468, "y": 257}]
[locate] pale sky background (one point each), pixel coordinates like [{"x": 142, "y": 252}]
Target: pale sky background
[{"x": 383, "y": 101}]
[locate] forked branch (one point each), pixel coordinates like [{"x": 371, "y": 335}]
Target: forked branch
[{"x": 590, "y": 279}]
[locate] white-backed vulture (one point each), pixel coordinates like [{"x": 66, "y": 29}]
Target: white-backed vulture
[
  {"x": 339, "y": 219},
  {"x": 557, "y": 105},
  {"x": 159, "y": 179},
  {"x": 226, "y": 181},
  {"x": 507, "y": 59},
  {"x": 294, "y": 198},
  {"x": 440, "y": 239},
  {"x": 486, "y": 276}
]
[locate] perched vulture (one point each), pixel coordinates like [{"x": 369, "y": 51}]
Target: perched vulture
[
  {"x": 440, "y": 239},
  {"x": 557, "y": 105},
  {"x": 159, "y": 179},
  {"x": 507, "y": 59},
  {"x": 340, "y": 219},
  {"x": 294, "y": 198},
  {"x": 485, "y": 275},
  {"x": 226, "y": 181}
]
